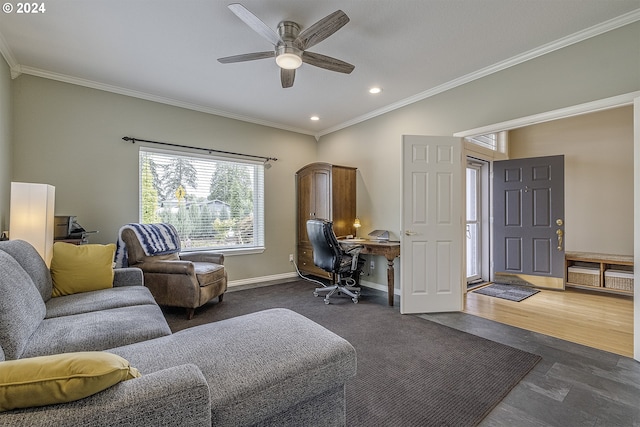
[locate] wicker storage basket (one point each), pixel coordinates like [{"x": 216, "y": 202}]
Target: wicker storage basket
[
  {"x": 617, "y": 279},
  {"x": 583, "y": 276}
]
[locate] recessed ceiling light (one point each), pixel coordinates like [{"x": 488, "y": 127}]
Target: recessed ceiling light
[
  {"x": 375, "y": 90},
  {"x": 314, "y": 118}
]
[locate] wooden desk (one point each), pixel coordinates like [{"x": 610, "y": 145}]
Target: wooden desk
[{"x": 389, "y": 250}]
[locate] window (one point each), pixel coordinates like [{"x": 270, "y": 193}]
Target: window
[
  {"x": 474, "y": 243},
  {"x": 489, "y": 141},
  {"x": 214, "y": 203}
]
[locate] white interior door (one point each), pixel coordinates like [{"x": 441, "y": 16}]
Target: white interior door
[{"x": 431, "y": 278}]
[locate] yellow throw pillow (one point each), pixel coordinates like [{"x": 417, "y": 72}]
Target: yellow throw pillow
[
  {"x": 81, "y": 268},
  {"x": 61, "y": 378}
]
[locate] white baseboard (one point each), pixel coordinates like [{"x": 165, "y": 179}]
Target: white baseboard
[
  {"x": 293, "y": 275},
  {"x": 261, "y": 279},
  {"x": 378, "y": 287}
]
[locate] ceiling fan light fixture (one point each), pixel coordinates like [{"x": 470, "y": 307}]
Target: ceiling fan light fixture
[
  {"x": 288, "y": 61},
  {"x": 288, "y": 57}
]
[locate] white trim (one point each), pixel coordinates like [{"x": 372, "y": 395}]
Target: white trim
[
  {"x": 262, "y": 279},
  {"x": 379, "y": 287},
  {"x": 154, "y": 98},
  {"x": 562, "y": 113},
  {"x": 596, "y": 30},
  {"x": 14, "y": 67},
  {"x": 294, "y": 275},
  {"x": 636, "y": 232},
  {"x": 612, "y": 24}
]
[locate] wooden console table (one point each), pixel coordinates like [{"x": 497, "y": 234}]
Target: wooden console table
[{"x": 389, "y": 250}]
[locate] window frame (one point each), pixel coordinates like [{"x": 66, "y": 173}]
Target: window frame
[{"x": 258, "y": 245}]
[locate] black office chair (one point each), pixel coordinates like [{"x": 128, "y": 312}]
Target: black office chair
[{"x": 332, "y": 258}]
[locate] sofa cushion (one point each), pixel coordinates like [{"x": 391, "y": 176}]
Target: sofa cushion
[
  {"x": 256, "y": 365},
  {"x": 31, "y": 261},
  {"x": 97, "y": 330},
  {"x": 21, "y": 307},
  {"x": 81, "y": 268},
  {"x": 104, "y": 299},
  {"x": 60, "y": 378}
]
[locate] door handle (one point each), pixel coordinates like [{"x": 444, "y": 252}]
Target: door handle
[
  {"x": 410, "y": 233},
  {"x": 560, "y": 233}
]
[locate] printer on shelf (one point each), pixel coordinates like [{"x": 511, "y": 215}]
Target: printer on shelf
[{"x": 67, "y": 228}]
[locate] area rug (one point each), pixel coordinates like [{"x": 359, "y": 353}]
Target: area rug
[
  {"x": 509, "y": 292},
  {"x": 411, "y": 372}
]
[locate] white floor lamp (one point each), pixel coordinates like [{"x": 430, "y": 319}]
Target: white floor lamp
[{"x": 31, "y": 216}]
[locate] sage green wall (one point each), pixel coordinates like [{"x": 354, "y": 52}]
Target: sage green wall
[
  {"x": 598, "y": 161},
  {"x": 71, "y": 137},
  {"x": 597, "y": 68},
  {"x": 5, "y": 143}
]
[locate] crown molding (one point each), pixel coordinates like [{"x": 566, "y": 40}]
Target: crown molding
[
  {"x": 562, "y": 113},
  {"x": 612, "y": 24},
  {"x": 8, "y": 56},
  {"x": 588, "y": 33},
  {"x": 155, "y": 98}
]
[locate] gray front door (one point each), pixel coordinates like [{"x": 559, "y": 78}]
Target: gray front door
[{"x": 529, "y": 221}]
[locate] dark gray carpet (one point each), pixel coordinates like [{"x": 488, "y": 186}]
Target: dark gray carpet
[
  {"x": 509, "y": 292},
  {"x": 411, "y": 372}
]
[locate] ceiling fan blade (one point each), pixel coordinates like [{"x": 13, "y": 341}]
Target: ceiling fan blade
[
  {"x": 287, "y": 77},
  {"x": 321, "y": 29},
  {"x": 246, "y": 57},
  {"x": 327, "y": 62},
  {"x": 255, "y": 23}
]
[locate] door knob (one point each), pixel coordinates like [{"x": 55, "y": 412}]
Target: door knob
[{"x": 409, "y": 233}]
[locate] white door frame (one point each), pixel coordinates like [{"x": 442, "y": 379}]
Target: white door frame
[{"x": 636, "y": 228}]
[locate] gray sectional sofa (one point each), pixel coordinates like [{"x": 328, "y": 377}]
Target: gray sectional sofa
[{"x": 273, "y": 367}]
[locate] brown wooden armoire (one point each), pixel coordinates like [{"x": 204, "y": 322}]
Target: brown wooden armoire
[{"x": 324, "y": 191}]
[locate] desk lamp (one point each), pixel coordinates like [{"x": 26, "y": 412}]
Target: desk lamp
[{"x": 356, "y": 224}]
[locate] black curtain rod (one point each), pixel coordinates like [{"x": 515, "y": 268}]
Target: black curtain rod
[{"x": 208, "y": 150}]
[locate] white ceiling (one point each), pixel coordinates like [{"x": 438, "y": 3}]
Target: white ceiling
[{"x": 166, "y": 50}]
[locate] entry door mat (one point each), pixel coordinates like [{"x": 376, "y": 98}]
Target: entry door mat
[
  {"x": 411, "y": 372},
  {"x": 508, "y": 292}
]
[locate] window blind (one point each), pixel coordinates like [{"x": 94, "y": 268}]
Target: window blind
[{"x": 214, "y": 202}]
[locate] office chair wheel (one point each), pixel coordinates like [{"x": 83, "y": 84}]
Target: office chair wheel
[
  {"x": 315, "y": 294},
  {"x": 326, "y": 301},
  {"x": 355, "y": 300}
]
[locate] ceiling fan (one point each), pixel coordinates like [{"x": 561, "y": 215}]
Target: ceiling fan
[{"x": 291, "y": 45}]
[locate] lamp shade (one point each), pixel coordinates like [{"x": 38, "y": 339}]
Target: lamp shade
[
  {"x": 31, "y": 216},
  {"x": 288, "y": 61}
]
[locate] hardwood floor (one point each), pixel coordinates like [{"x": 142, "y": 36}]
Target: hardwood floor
[{"x": 598, "y": 320}]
